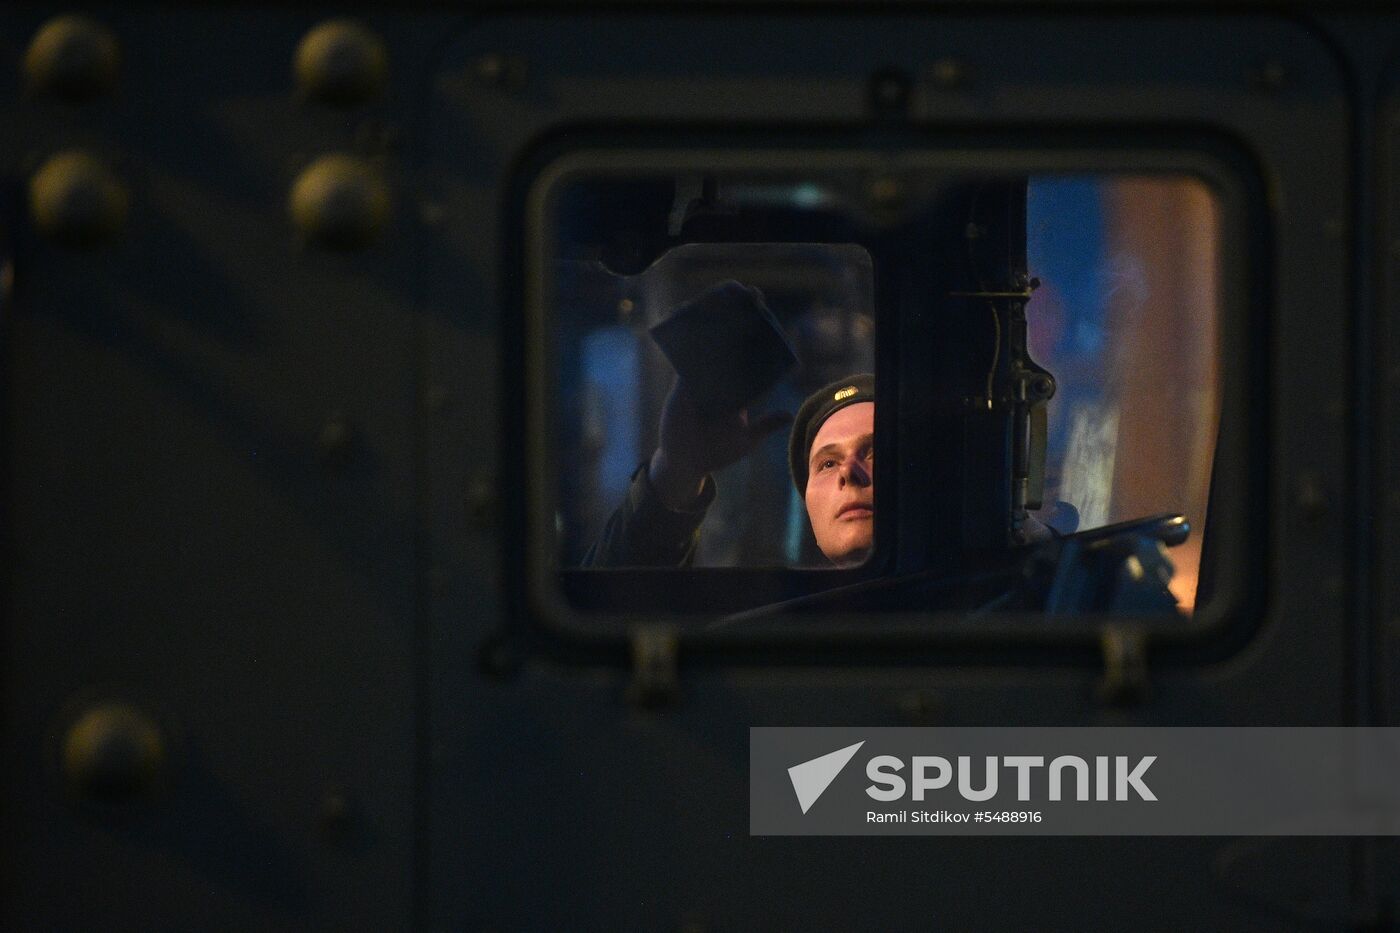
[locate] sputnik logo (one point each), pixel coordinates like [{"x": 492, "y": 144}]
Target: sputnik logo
[{"x": 811, "y": 778}]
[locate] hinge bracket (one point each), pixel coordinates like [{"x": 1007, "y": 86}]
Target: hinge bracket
[
  {"x": 655, "y": 676},
  {"x": 1125, "y": 666}
]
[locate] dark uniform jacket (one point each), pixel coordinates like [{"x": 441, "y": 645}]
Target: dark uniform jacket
[{"x": 644, "y": 533}]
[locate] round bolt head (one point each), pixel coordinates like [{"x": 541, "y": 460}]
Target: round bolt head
[
  {"x": 1310, "y": 497},
  {"x": 335, "y": 442},
  {"x": 340, "y": 202},
  {"x": 76, "y": 201},
  {"x": 336, "y": 815},
  {"x": 340, "y": 62},
  {"x": 72, "y": 57},
  {"x": 949, "y": 73},
  {"x": 113, "y": 753},
  {"x": 1271, "y": 76},
  {"x": 889, "y": 91},
  {"x": 499, "y": 70},
  {"x": 886, "y": 192},
  {"x": 481, "y": 502}
]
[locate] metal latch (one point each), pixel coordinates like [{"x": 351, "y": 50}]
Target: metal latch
[{"x": 655, "y": 679}]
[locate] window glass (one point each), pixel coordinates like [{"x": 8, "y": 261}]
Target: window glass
[
  {"x": 715, "y": 337},
  {"x": 821, "y": 298},
  {"x": 1126, "y": 319}
]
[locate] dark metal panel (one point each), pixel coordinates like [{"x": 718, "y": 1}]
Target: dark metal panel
[
  {"x": 1387, "y": 513},
  {"x": 637, "y": 820},
  {"x": 260, "y": 492},
  {"x": 210, "y": 492},
  {"x": 1384, "y": 867}
]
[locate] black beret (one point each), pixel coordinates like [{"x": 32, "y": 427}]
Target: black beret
[{"x": 821, "y": 405}]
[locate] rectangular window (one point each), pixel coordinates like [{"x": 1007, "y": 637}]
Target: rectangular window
[{"x": 725, "y": 344}]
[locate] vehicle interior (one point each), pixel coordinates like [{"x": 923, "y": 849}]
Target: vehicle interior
[{"x": 999, "y": 488}]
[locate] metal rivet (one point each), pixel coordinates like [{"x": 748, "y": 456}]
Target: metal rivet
[
  {"x": 336, "y": 815},
  {"x": 499, "y": 70},
  {"x": 334, "y": 442},
  {"x": 340, "y": 202},
  {"x": 948, "y": 73},
  {"x": 76, "y": 201},
  {"x": 435, "y": 399},
  {"x": 497, "y": 657},
  {"x": 490, "y": 68},
  {"x": 1271, "y": 76},
  {"x": 889, "y": 92},
  {"x": 481, "y": 502},
  {"x": 920, "y": 705},
  {"x": 432, "y": 213},
  {"x": 72, "y": 57},
  {"x": 113, "y": 753},
  {"x": 341, "y": 62},
  {"x": 376, "y": 136},
  {"x": 1309, "y": 497},
  {"x": 886, "y": 192}
]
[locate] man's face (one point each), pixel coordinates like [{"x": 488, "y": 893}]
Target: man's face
[{"x": 841, "y": 484}]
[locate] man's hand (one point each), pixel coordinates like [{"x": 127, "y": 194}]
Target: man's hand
[{"x": 694, "y": 444}]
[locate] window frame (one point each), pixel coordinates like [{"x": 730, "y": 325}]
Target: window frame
[{"x": 1238, "y": 542}]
